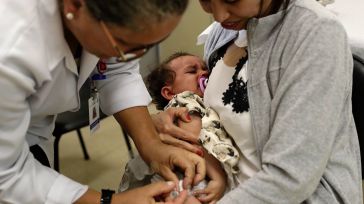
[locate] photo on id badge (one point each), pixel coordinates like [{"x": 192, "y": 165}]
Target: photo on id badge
[{"x": 94, "y": 113}]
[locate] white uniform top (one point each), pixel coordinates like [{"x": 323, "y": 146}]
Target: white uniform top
[{"x": 39, "y": 79}]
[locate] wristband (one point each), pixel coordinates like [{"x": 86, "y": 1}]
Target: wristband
[{"x": 106, "y": 196}]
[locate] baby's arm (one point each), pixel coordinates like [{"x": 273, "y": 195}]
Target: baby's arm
[{"x": 216, "y": 186}]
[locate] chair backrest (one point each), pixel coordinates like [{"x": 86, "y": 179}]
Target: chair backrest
[
  {"x": 358, "y": 102},
  {"x": 69, "y": 121},
  {"x": 85, "y": 94},
  {"x": 358, "y": 95}
]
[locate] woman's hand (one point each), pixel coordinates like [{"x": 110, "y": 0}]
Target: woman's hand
[
  {"x": 164, "y": 122},
  {"x": 164, "y": 158},
  {"x": 182, "y": 137},
  {"x": 168, "y": 139},
  {"x": 148, "y": 194}
]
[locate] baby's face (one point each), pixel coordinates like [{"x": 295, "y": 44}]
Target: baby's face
[{"x": 188, "y": 70}]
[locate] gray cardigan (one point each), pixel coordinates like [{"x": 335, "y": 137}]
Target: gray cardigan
[{"x": 299, "y": 87}]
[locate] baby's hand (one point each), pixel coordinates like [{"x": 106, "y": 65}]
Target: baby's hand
[{"x": 212, "y": 193}]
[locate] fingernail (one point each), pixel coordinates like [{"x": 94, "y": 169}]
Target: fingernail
[
  {"x": 199, "y": 153},
  {"x": 188, "y": 116},
  {"x": 170, "y": 183}
]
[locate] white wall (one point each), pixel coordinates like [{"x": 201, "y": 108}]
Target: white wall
[{"x": 183, "y": 38}]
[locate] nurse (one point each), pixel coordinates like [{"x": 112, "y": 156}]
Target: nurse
[{"x": 47, "y": 51}]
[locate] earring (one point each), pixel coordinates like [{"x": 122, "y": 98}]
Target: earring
[{"x": 69, "y": 16}]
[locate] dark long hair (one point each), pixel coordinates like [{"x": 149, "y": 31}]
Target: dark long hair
[
  {"x": 274, "y": 7},
  {"x": 277, "y": 4}
]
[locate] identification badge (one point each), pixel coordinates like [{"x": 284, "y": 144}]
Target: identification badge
[{"x": 94, "y": 112}]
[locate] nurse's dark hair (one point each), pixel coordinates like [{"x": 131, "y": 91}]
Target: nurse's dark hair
[
  {"x": 134, "y": 14},
  {"x": 161, "y": 76}
]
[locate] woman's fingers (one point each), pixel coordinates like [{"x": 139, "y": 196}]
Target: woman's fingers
[
  {"x": 167, "y": 157},
  {"x": 195, "y": 172},
  {"x": 182, "y": 134},
  {"x": 181, "y": 113},
  {"x": 149, "y": 194},
  {"x": 200, "y": 172},
  {"x": 164, "y": 122},
  {"x": 160, "y": 188},
  {"x": 167, "y": 139},
  {"x": 165, "y": 172},
  {"x": 180, "y": 199},
  {"x": 193, "y": 166}
]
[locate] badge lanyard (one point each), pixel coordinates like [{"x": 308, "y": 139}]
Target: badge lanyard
[{"x": 93, "y": 101}]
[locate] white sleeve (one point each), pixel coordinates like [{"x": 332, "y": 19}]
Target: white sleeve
[
  {"x": 123, "y": 87},
  {"x": 202, "y": 37},
  {"x": 22, "y": 178}
]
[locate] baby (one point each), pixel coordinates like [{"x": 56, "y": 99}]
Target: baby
[{"x": 180, "y": 82}]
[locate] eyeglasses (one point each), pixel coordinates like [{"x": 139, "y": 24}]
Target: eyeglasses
[{"x": 131, "y": 54}]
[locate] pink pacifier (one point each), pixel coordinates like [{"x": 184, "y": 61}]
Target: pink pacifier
[{"x": 202, "y": 81}]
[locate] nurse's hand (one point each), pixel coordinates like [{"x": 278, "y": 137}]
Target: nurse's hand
[
  {"x": 171, "y": 134},
  {"x": 163, "y": 159},
  {"x": 149, "y": 194}
]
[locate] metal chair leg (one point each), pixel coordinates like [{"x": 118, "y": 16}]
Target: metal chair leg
[
  {"x": 56, "y": 156},
  {"x": 84, "y": 150}
]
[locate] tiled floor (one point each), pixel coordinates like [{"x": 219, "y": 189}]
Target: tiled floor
[{"x": 108, "y": 156}]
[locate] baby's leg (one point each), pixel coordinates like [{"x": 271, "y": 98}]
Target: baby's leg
[{"x": 136, "y": 174}]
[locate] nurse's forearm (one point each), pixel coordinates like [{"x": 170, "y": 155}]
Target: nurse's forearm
[
  {"x": 138, "y": 123},
  {"x": 91, "y": 196},
  {"x": 161, "y": 157}
]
